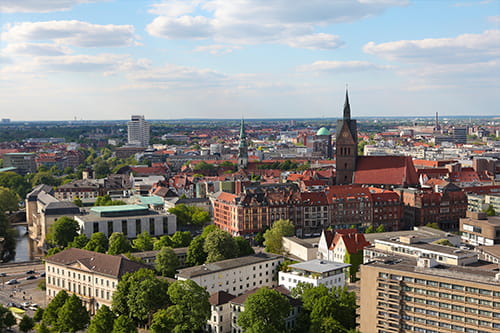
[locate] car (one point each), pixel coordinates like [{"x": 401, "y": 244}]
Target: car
[
  {"x": 30, "y": 277},
  {"x": 12, "y": 305},
  {"x": 3, "y": 274},
  {"x": 30, "y": 272},
  {"x": 25, "y": 304},
  {"x": 42, "y": 274},
  {"x": 10, "y": 282}
]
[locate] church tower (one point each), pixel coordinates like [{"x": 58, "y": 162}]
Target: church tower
[
  {"x": 346, "y": 146},
  {"x": 242, "y": 148}
]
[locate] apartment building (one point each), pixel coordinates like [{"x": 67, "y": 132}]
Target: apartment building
[
  {"x": 83, "y": 189},
  {"x": 479, "y": 229},
  {"x": 92, "y": 276},
  {"x": 315, "y": 272},
  {"x": 138, "y": 131},
  {"x": 418, "y": 295},
  {"x": 23, "y": 162},
  {"x": 131, "y": 220},
  {"x": 220, "y": 316},
  {"x": 235, "y": 276}
]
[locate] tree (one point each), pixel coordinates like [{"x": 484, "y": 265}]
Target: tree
[
  {"x": 139, "y": 295},
  {"x": 299, "y": 289},
  {"x": 196, "y": 254},
  {"x": 15, "y": 182},
  {"x": 124, "y": 324},
  {"x": 208, "y": 229},
  {"x": 77, "y": 201},
  {"x": 443, "y": 241},
  {"x": 433, "y": 225},
  {"x": 166, "y": 262},
  {"x": 118, "y": 244},
  {"x": 42, "y": 328},
  {"x": 273, "y": 238},
  {"x": 38, "y": 315},
  {"x": 79, "y": 241},
  {"x": 26, "y": 324},
  {"x": 380, "y": 228},
  {"x": 191, "y": 306},
  {"x": 98, "y": 243},
  {"x": 102, "y": 322},
  {"x": 164, "y": 240},
  {"x": 8, "y": 200},
  {"x": 190, "y": 215},
  {"x": 6, "y": 318},
  {"x": 182, "y": 213},
  {"x": 219, "y": 245},
  {"x": 45, "y": 177},
  {"x": 181, "y": 239},
  {"x": 63, "y": 231},
  {"x": 8, "y": 249},
  {"x": 163, "y": 320},
  {"x": 490, "y": 211},
  {"x": 369, "y": 230},
  {"x": 72, "y": 316},
  {"x": 50, "y": 314},
  {"x": 355, "y": 259},
  {"x": 267, "y": 309},
  {"x": 244, "y": 248},
  {"x": 199, "y": 216},
  {"x": 143, "y": 242}
]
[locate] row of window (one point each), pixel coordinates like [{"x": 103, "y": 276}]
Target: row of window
[
  {"x": 469, "y": 300},
  {"x": 77, "y": 276}
]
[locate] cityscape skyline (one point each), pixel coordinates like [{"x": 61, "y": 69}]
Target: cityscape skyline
[{"x": 209, "y": 59}]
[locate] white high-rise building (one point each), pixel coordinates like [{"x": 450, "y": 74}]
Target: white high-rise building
[{"x": 138, "y": 131}]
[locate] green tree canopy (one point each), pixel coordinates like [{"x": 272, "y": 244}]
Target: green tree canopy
[
  {"x": 42, "y": 328},
  {"x": 273, "y": 238},
  {"x": 181, "y": 239},
  {"x": 166, "y": 262},
  {"x": 143, "y": 242},
  {"x": 77, "y": 201},
  {"x": 8, "y": 200},
  {"x": 102, "y": 322},
  {"x": 380, "y": 228},
  {"x": 244, "y": 247},
  {"x": 124, "y": 324},
  {"x": 220, "y": 245},
  {"x": 196, "y": 254},
  {"x": 191, "y": 308},
  {"x": 369, "y": 230},
  {"x": 187, "y": 215},
  {"x": 490, "y": 211},
  {"x": 265, "y": 311},
  {"x": 50, "y": 314},
  {"x": 6, "y": 318},
  {"x": 15, "y": 182},
  {"x": 63, "y": 231},
  {"x": 45, "y": 177},
  {"x": 163, "y": 241},
  {"x": 118, "y": 244},
  {"x": 26, "y": 324},
  {"x": 8, "y": 249},
  {"x": 72, "y": 316},
  {"x": 79, "y": 241},
  {"x": 38, "y": 315},
  {"x": 98, "y": 243}
]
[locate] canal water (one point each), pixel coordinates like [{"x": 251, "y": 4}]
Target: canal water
[{"x": 22, "y": 245}]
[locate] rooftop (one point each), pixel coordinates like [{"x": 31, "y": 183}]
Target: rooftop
[
  {"x": 318, "y": 266},
  {"x": 224, "y": 265}
]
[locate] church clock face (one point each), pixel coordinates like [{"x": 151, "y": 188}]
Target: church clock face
[{"x": 345, "y": 134}]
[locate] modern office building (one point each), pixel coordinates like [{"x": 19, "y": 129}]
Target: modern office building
[
  {"x": 479, "y": 229},
  {"x": 403, "y": 295},
  {"x": 131, "y": 220},
  {"x": 138, "y": 131},
  {"x": 237, "y": 275}
]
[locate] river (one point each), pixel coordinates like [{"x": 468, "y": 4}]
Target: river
[{"x": 22, "y": 245}]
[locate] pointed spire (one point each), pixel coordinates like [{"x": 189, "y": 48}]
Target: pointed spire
[
  {"x": 347, "y": 107},
  {"x": 242, "y": 129}
]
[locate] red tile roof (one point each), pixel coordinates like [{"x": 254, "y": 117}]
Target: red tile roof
[
  {"x": 220, "y": 297},
  {"x": 387, "y": 170},
  {"x": 353, "y": 241},
  {"x": 227, "y": 197}
]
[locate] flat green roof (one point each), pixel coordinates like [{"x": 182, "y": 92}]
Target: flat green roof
[
  {"x": 152, "y": 200},
  {"x": 118, "y": 208}
]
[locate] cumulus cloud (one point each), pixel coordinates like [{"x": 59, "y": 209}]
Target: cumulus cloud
[
  {"x": 75, "y": 33},
  {"x": 462, "y": 49},
  {"x": 217, "y": 49},
  {"x": 39, "y": 6},
  {"x": 340, "y": 66},
  {"x": 261, "y": 21},
  {"x": 36, "y": 49}
]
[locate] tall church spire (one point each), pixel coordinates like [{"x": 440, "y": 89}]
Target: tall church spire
[
  {"x": 242, "y": 148},
  {"x": 347, "y": 107}
]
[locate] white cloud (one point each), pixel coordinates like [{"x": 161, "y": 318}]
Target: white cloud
[
  {"x": 39, "y": 6},
  {"x": 494, "y": 19},
  {"x": 75, "y": 33},
  {"x": 36, "y": 49},
  {"x": 262, "y": 21},
  {"x": 462, "y": 49},
  {"x": 184, "y": 27},
  {"x": 217, "y": 49},
  {"x": 340, "y": 66}
]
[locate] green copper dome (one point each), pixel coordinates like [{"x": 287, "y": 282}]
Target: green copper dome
[{"x": 323, "y": 131}]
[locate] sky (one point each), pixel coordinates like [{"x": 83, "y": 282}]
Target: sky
[{"x": 177, "y": 59}]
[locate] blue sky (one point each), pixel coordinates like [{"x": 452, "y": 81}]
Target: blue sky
[{"x": 174, "y": 59}]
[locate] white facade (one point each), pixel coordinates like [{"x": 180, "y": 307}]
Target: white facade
[
  {"x": 138, "y": 131},
  {"x": 130, "y": 226},
  {"x": 235, "y": 276},
  {"x": 220, "y": 319},
  {"x": 315, "y": 272}
]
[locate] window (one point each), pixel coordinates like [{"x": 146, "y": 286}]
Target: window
[
  {"x": 152, "y": 226},
  {"x": 124, "y": 227},
  {"x": 165, "y": 225},
  {"x": 138, "y": 229}
]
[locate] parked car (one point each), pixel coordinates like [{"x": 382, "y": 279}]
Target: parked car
[
  {"x": 30, "y": 272},
  {"x": 42, "y": 274},
  {"x": 3, "y": 274},
  {"x": 30, "y": 277},
  {"x": 25, "y": 304},
  {"x": 10, "y": 282}
]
